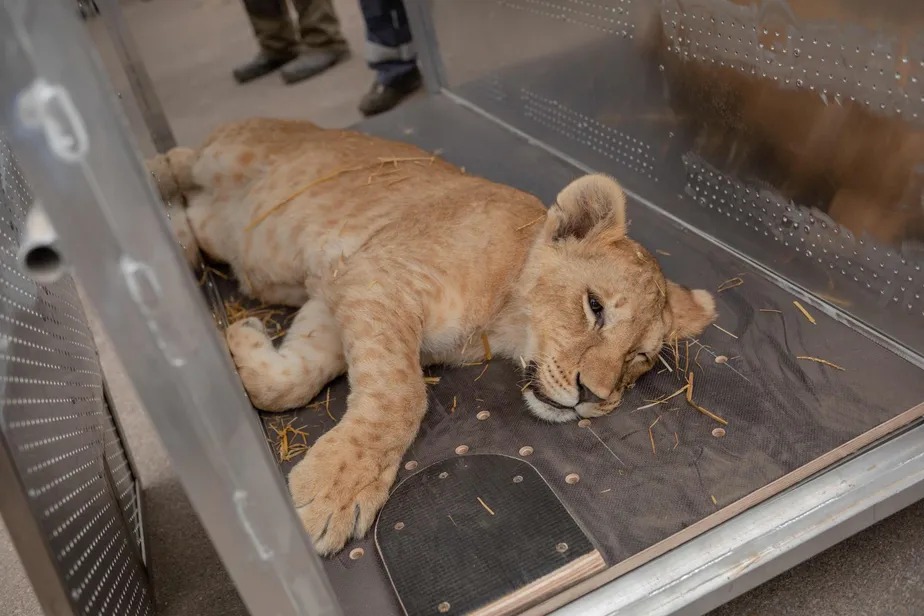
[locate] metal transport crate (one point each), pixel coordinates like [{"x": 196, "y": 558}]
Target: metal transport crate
[{"x": 763, "y": 142}]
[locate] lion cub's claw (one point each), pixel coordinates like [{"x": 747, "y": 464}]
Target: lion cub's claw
[{"x": 338, "y": 490}]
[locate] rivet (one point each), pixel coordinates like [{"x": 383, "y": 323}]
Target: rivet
[
  {"x": 718, "y": 432},
  {"x": 399, "y": 525},
  {"x": 443, "y": 475},
  {"x": 462, "y": 449},
  {"x": 721, "y": 359},
  {"x": 357, "y": 553},
  {"x": 443, "y": 607},
  {"x": 583, "y": 423},
  {"x": 410, "y": 465},
  {"x": 561, "y": 548},
  {"x": 518, "y": 479},
  {"x": 572, "y": 478},
  {"x": 482, "y": 415}
]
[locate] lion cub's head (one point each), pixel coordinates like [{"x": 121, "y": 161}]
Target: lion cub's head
[{"x": 599, "y": 307}]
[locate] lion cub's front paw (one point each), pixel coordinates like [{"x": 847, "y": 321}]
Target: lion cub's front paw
[{"x": 339, "y": 487}]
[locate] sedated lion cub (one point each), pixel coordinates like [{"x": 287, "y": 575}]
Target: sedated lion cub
[{"x": 398, "y": 260}]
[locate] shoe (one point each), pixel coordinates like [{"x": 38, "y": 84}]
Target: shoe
[
  {"x": 311, "y": 63},
  {"x": 262, "y": 64},
  {"x": 381, "y": 97}
]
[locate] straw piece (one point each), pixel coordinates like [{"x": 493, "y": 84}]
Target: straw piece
[
  {"x": 802, "y": 309},
  {"x": 663, "y": 361},
  {"x": 530, "y": 223},
  {"x": 664, "y": 399},
  {"x": 651, "y": 435},
  {"x": 821, "y": 361},
  {"x": 709, "y": 413},
  {"x": 331, "y": 176},
  {"x": 731, "y": 283},
  {"x": 725, "y": 331}
]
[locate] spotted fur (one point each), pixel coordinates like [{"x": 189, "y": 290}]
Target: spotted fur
[{"x": 396, "y": 260}]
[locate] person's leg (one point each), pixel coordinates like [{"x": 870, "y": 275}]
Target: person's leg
[
  {"x": 274, "y": 31},
  {"x": 323, "y": 44},
  {"x": 390, "y": 53}
]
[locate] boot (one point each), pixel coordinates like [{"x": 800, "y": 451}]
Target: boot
[
  {"x": 262, "y": 64},
  {"x": 381, "y": 97},
  {"x": 312, "y": 62}
]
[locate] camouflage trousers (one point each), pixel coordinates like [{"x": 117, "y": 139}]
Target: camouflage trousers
[{"x": 317, "y": 25}]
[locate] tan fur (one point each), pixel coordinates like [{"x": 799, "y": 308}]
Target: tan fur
[{"x": 398, "y": 260}]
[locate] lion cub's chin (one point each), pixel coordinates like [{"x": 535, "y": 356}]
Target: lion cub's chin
[
  {"x": 552, "y": 414},
  {"x": 547, "y": 412}
]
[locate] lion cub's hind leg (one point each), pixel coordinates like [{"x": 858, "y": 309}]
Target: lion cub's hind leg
[{"x": 311, "y": 355}]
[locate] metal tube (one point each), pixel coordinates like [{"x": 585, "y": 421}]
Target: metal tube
[{"x": 38, "y": 255}]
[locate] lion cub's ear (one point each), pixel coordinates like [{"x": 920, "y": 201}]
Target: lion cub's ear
[
  {"x": 691, "y": 311},
  {"x": 593, "y": 203}
]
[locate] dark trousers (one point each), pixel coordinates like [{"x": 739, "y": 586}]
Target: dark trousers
[
  {"x": 317, "y": 25},
  {"x": 389, "y": 48}
]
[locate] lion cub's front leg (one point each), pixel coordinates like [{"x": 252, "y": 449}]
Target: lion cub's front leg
[{"x": 344, "y": 479}]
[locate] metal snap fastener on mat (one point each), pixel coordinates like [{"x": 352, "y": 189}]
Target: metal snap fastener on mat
[
  {"x": 482, "y": 415},
  {"x": 443, "y": 607},
  {"x": 583, "y": 423},
  {"x": 572, "y": 478},
  {"x": 443, "y": 475},
  {"x": 462, "y": 449},
  {"x": 718, "y": 432},
  {"x": 721, "y": 359},
  {"x": 399, "y": 525},
  {"x": 357, "y": 553},
  {"x": 518, "y": 479},
  {"x": 410, "y": 465},
  {"x": 561, "y": 548},
  {"x": 526, "y": 451}
]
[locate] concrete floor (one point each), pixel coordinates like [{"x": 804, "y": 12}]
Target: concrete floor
[{"x": 190, "y": 47}]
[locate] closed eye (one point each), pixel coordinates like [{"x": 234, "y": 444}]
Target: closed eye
[{"x": 636, "y": 356}]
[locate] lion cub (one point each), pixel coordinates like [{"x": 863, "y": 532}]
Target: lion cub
[{"x": 397, "y": 260}]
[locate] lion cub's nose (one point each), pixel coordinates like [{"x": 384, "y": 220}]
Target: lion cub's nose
[{"x": 584, "y": 394}]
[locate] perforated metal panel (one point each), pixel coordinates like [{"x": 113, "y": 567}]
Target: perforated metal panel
[
  {"x": 789, "y": 131},
  {"x": 59, "y": 434}
]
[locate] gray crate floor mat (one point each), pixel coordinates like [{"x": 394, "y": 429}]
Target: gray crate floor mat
[{"x": 640, "y": 484}]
